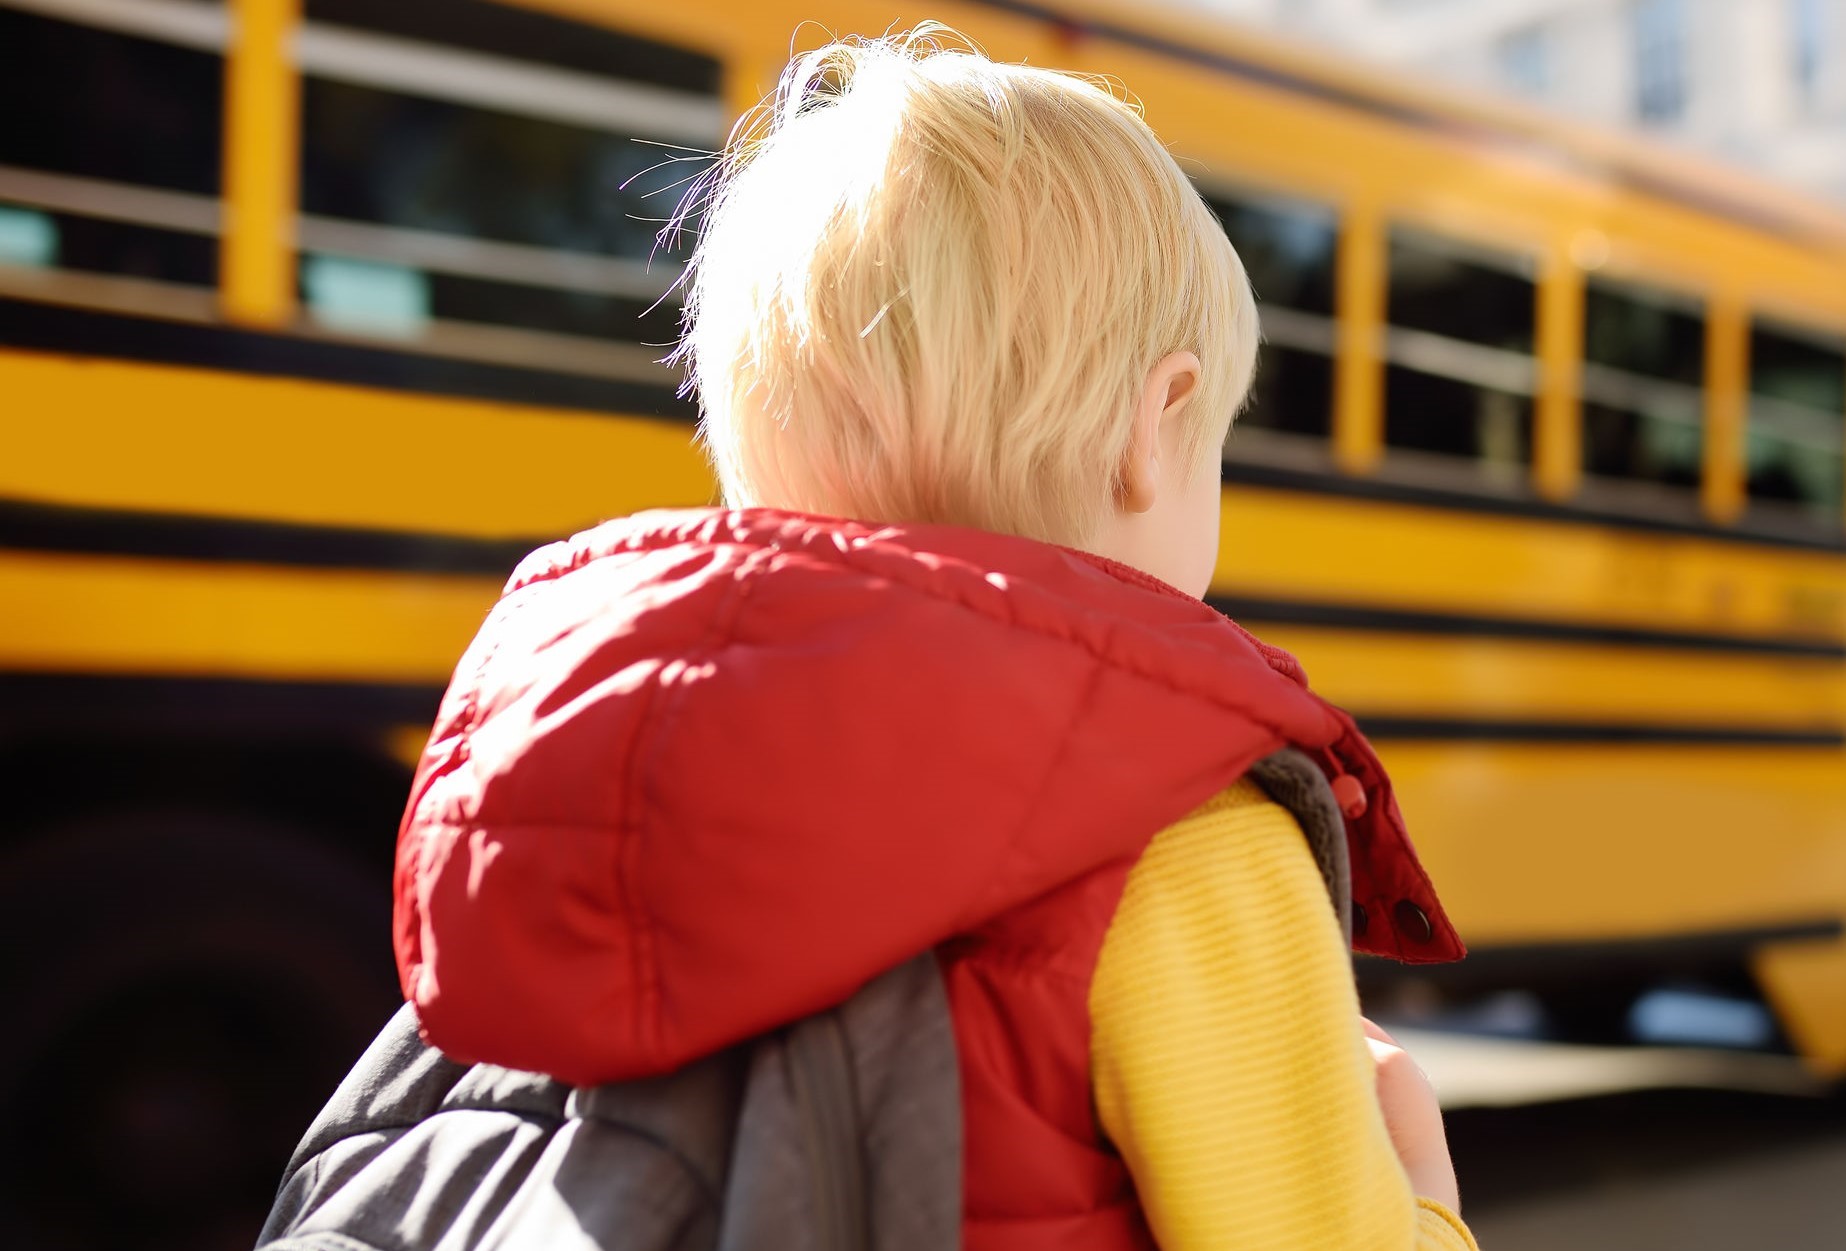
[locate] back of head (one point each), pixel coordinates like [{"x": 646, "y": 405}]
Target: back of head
[{"x": 929, "y": 287}]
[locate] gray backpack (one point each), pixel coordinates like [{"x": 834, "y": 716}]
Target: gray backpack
[{"x": 841, "y": 1132}]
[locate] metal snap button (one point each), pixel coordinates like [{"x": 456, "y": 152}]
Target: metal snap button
[{"x": 1413, "y": 922}]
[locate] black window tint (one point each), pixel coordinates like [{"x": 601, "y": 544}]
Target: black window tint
[
  {"x": 404, "y": 299},
  {"x": 1797, "y": 430},
  {"x": 1639, "y": 446},
  {"x": 1794, "y": 471},
  {"x": 526, "y": 35},
  {"x": 1644, "y": 367},
  {"x": 1798, "y": 369},
  {"x": 1287, "y": 253},
  {"x": 1438, "y": 290},
  {"x": 38, "y": 238},
  {"x": 1293, "y": 393},
  {"x": 1656, "y": 337},
  {"x": 423, "y": 164},
  {"x": 546, "y": 308},
  {"x": 1426, "y": 413},
  {"x": 1454, "y": 386},
  {"x": 76, "y": 100}
]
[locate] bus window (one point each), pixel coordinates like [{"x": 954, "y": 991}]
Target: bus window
[
  {"x": 1287, "y": 249},
  {"x": 1797, "y": 411},
  {"x": 27, "y": 237},
  {"x": 1643, "y": 374},
  {"x": 1459, "y": 371},
  {"x": 526, "y": 35},
  {"x": 458, "y": 189},
  {"x": 109, "y": 163}
]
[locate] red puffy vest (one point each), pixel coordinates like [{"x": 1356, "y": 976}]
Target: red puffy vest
[{"x": 703, "y": 773}]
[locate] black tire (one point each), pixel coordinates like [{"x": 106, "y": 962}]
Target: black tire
[{"x": 183, "y": 991}]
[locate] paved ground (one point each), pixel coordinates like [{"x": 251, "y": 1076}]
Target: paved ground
[{"x": 1676, "y": 1169}]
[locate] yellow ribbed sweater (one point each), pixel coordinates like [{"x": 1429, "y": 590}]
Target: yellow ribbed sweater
[{"x": 1229, "y": 1065}]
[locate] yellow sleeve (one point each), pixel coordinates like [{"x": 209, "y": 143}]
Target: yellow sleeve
[{"x": 1230, "y": 1069}]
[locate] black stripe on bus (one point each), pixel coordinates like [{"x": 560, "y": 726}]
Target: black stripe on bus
[
  {"x": 1253, "y": 610},
  {"x": 33, "y": 526},
  {"x": 1737, "y": 209},
  {"x": 36, "y": 526},
  {"x": 53, "y": 328},
  {"x": 1537, "y": 963},
  {"x": 51, "y": 703},
  {"x": 1324, "y": 482},
  {"x": 1400, "y": 728}
]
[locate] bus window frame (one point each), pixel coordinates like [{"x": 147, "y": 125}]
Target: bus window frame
[
  {"x": 182, "y": 23},
  {"x": 470, "y": 79},
  {"x": 1473, "y": 241},
  {"x": 1295, "y": 329},
  {"x": 1825, "y": 329},
  {"x": 1651, "y": 285},
  {"x": 257, "y": 221},
  {"x": 177, "y": 23},
  {"x": 262, "y": 143}
]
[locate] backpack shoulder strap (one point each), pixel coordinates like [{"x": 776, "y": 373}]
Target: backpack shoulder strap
[
  {"x": 907, "y": 1079},
  {"x": 1296, "y": 782},
  {"x": 849, "y": 1138}
]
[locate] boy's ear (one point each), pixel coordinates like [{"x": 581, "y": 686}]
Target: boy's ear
[{"x": 1168, "y": 388}]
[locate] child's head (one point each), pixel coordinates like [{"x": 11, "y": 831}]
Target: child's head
[{"x": 934, "y": 288}]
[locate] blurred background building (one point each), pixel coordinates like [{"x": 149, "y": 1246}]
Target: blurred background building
[{"x": 1758, "y": 82}]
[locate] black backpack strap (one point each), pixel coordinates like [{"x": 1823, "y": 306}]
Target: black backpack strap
[{"x": 1296, "y": 782}]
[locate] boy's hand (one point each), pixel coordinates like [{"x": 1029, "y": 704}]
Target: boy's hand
[{"x": 1414, "y": 1120}]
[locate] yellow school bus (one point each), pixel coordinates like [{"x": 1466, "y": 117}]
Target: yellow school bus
[{"x": 316, "y": 314}]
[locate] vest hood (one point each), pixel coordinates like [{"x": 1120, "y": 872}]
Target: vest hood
[{"x": 702, "y": 773}]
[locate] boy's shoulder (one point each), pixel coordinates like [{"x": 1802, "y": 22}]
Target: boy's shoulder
[{"x": 1283, "y": 803}]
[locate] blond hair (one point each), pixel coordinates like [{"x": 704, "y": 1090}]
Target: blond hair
[{"x": 929, "y": 287}]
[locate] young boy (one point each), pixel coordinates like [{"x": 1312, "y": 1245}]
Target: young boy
[{"x": 705, "y": 773}]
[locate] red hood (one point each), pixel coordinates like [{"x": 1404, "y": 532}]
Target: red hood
[{"x": 703, "y": 773}]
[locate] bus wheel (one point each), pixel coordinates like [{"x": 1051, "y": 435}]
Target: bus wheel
[{"x": 183, "y": 992}]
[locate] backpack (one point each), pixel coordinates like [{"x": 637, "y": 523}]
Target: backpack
[{"x": 841, "y": 1132}]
